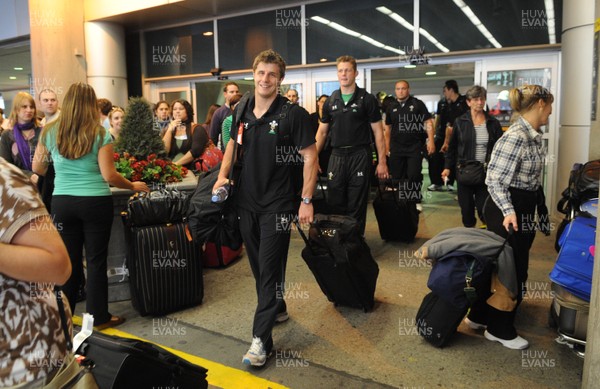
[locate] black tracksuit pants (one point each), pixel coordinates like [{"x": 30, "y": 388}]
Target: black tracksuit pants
[
  {"x": 407, "y": 169},
  {"x": 349, "y": 179},
  {"x": 436, "y": 165},
  {"x": 267, "y": 240}
]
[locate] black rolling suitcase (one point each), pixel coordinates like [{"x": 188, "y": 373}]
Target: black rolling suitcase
[
  {"x": 165, "y": 269},
  {"x": 397, "y": 218},
  {"x": 121, "y": 363},
  {"x": 341, "y": 261}
]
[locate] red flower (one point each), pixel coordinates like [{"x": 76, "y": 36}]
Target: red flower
[
  {"x": 152, "y": 157},
  {"x": 116, "y": 157}
]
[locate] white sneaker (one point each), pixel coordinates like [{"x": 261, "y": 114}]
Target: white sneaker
[
  {"x": 419, "y": 208},
  {"x": 256, "y": 355},
  {"x": 473, "y": 325},
  {"x": 434, "y": 188},
  {"x": 517, "y": 343},
  {"x": 449, "y": 188}
]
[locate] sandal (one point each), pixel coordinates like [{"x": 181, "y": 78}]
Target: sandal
[{"x": 113, "y": 322}]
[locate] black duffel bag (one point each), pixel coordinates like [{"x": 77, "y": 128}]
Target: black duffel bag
[
  {"x": 338, "y": 234},
  {"x": 157, "y": 207},
  {"x": 123, "y": 363},
  {"x": 213, "y": 222},
  {"x": 471, "y": 173}
]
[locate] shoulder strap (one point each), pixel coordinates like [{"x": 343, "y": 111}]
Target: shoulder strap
[{"x": 240, "y": 110}]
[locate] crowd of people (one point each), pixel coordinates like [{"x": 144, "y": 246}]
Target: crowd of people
[{"x": 337, "y": 141}]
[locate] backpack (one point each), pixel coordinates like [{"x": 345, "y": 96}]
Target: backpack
[{"x": 583, "y": 186}]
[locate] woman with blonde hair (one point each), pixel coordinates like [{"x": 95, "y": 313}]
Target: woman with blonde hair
[
  {"x": 82, "y": 153},
  {"x": 115, "y": 118},
  {"x": 18, "y": 143},
  {"x": 514, "y": 181}
]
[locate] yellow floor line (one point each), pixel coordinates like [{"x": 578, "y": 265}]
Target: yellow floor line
[{"x": 218, "y": 374}]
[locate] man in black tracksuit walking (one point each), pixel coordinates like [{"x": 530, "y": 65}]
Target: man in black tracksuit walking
[
  {"x": 351, "y": 114},
  {"x": 273, "y": 144},
  {"x": 408, "y": 123}
]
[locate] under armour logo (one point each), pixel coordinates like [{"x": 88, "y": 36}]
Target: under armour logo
[{"x": 359, "y": 174}]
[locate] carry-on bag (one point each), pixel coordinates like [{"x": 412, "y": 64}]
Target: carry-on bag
[
  {"x": 575, "y": 264},
  {"x": 165, "y": 269},
  {"x": 457, "y": 281},
  {"x": 122, "y": 363},
  {"x": 215, "y": 255},
  {"x": 397, "y": 219},
  {"x": 156, "y": 207},
  {"x": 437, "y": 319},
  {"x": 341, "y": 261}
]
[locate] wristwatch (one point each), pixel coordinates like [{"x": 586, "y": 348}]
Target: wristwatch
[{"x": 306, "y": 200}]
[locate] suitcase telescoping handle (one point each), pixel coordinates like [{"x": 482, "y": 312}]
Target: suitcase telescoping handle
[{"x": 303, "y": 235}]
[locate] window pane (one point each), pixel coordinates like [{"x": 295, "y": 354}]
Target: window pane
[
  {"x": 242, "y": 38},
  {"x": 510, "y": 23},
  {"x": 380, "y": 36},
  {"x": 180, "y": 50}
]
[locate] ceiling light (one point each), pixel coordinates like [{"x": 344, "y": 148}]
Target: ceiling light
[
  {"x": 12, "y": 78},
  {"x": 477, "y": 23},
  {"x": 403, "y": 22},
  {"x": 410, "y": 66},
  {"x": 323, "y": 60},
  {"x": 430, "y": 73},
  {"x": 356, "y": 34},
  {"x": 248, "y": 78},
  {"x": 207, "y": 33},
  {"x": 18, "y": 68}
]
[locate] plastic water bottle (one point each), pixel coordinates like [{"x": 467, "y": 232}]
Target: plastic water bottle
[{"x": 220, "y": 194}]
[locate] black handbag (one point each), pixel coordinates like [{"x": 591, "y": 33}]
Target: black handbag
[
  {"x": 471, "y": 173},
  {"x": 157, "y": 207}
]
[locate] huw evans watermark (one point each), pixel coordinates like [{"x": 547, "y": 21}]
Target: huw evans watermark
[
  {"x": 168, "y": 259},
  {"x": 166, "y": 326},
  {"x": 290, "y": 358},
  {"x": 409, "y": 259},
  {"x": 289, "y": 19},
  {"x": 534, "y": 19},
  {"x": 414, "y": 55},
  {"x": 167, "y": 55},
  {"x": 537, "y": 290},
  {"x": 47, "y": 360},
  {"x": 536, "y": 359},
  {"x": 291, "y": 290},
  {"x": 46, "y": 18},
  {"x": 413, "y": 327},
  {"x": 41, "y": 290}
]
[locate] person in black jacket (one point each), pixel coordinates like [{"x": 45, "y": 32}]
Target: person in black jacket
[{"x": 473, "y": 137}]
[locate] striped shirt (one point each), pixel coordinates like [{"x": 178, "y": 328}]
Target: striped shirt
[
  {"x": 481, "y": 141},
  {"x": 517, "y": 161}
]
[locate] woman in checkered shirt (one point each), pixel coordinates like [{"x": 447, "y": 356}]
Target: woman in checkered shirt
[{"x": 514, "y": 180}]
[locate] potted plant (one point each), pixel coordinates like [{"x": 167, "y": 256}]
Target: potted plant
[{"x": 140, "y": 152}]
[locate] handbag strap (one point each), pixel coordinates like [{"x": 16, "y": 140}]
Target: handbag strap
[{"x": 63, "y": 316}]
